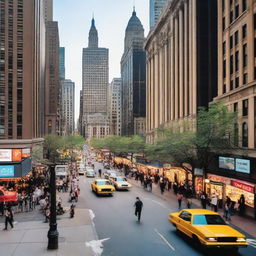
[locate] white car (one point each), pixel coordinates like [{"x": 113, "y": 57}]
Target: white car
[
  {"x": 120, "y": 183},
  {"x": 110, "y": 174},
  {"x": 90, "y": 173}
]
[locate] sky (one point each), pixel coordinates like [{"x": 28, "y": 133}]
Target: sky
[{"x": 111, "y": 18}]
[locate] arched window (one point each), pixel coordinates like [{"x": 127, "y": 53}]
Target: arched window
[{"x": 244, "y": 135}]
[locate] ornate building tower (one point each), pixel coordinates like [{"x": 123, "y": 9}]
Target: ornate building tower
[
  {"x": 95, "y": 85},
  {"x": 133, "y": 74}
]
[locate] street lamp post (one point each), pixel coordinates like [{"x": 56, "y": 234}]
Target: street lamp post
[{"x": 53, "y": 233}]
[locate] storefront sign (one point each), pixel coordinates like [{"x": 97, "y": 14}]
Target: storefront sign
[
  {"x": 217, "y": 178},
  {"x": 242, "y": 186},
  {"x": 243, "y": 165},
  {"x": 5, "y": 155},
  {"x": 216, "y": 183},
  {"x": 25, "y": 152},
  {"x": 16, "y": 155},
  {"x": 226, "y": 163},
  {"x": 6, "y": 171},
  {"x": 198, "y": 172}
]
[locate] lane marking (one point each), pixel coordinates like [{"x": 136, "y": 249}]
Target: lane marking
[
  {"x": 252, "y": 242},
  {"x": 164, "y": 239}
]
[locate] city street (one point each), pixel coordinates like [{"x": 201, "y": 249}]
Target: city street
[{"x": 154, "y": 235}]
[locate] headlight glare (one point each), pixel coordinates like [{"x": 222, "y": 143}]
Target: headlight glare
[
  {"x": 211, "y": 239},
  {"x": 241, "y": 239}
]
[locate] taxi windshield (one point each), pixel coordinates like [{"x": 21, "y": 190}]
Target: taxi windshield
[
  {"x": 208, "y": 219},
  {"x": 103, "y": 182}
]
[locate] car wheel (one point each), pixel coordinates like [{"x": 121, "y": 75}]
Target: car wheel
[{"x": 196, "y": 241}]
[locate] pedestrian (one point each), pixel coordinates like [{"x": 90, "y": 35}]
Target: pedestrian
[
  {"x": 189, "y": 196},
  {"x": 214, "y": 202},
  {"x": 227, "y": 208},
  {"x": 179, "y": 198},
  {"x": 162, "y": 185},
  {"x": 138, "y": 207},
  {"x": 175, "y": 188},
  {"x": 8, "y": 217},
  {"x": 47, "y": 213},
  {"x": 99, "y": 171},
  {"x": 203, "y": 198},
  {"x": 242, "y": 205}
]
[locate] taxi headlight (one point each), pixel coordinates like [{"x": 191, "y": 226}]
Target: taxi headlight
[
  {"x": 211, "y": 239},
  {"x": 241, "y": 239}
]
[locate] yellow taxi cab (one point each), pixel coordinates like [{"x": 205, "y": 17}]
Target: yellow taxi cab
[
  {"x": 207, "y": 228},
  {"x": 102, "y": 186}
]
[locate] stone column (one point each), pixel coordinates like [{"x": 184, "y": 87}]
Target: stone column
[
  {"x": 160, "y": 84},
  {"x": 251, "y": 122},
  {"x": 166, "y": 109},
  {"x": 172, "y": 54},
  {"x": 176, "y": 68},
  {"x": 186, "y": 69},
  {"x": 181, "y": 63}
]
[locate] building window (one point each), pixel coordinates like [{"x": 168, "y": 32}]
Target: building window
[
  {"x": 254, "y": 18},
  {"x": 237, "y": 82},
  {"x": 231, "y": 64},
  {"x": 19, "y": 131},
  {"x": 236, "y": 61},
  {"x": 231, "y": 42},
  {"x": 223, "y": 23},
  {"x": 245, "y": 78},
  {"x": 224, "y": 68},
  {"x": 231, "y": 16},
  {"x": 245, "y": 107},
  {"x": 236, "y": 11},
  {"x": 231, "y": 85},
  {"x": 224, "y": 88},
  {"x": 244, "y": 135},
  {"x": 236, "y": 38},
  {"x": 224, "y": 47},
  {"x": 235, "y": 107},
  {"x": 245, "y": 55},
  {"x": 236, "y": 134},
  {"x": 244, "y": 5},
  {"x": 244, "y": 31}
]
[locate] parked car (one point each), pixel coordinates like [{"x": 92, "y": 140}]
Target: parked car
[
  {"x": 120, "y": 183},
  {"x": 110, "y": 174},
  {"x": 207, "y": 229},
  {"x": 8, "y": 196},
  {"x": 102, "y": 186}
]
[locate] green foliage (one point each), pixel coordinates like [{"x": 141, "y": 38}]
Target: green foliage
[
  {"x": 119, "y": 144},
  {"x": 181, "y": 144}
]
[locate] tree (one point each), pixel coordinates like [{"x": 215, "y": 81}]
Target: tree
[{"x": 213, "y": 133}]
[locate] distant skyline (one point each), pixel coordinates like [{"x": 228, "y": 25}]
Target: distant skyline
[{"x": 111, "y": 18}]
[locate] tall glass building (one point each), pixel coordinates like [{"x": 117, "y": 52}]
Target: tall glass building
[{"x": 155, "y": 9}]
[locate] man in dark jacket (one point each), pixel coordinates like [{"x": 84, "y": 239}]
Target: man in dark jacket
[
  {"x": 8, "y": 217},
  {"x": 138, "y": 207}
]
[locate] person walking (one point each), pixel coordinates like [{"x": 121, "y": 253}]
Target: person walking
[
  {"x": 214, "y": 202},
  {"x": 138, "y": 207},
  {"x": 242, "y": 205},
  {"x": 99, "y": 171},
  {"x": 203, "y": 198},
  {"x": 227, "y": 208},
  {"x": 8, "y": 217}
]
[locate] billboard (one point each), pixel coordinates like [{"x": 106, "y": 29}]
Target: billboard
[
  {"x": 6, "y": 171},
  {"x": 243, "y": 165},
  {"x": 226, "y": 163},
  {"x": 5, "y": 155},
  {"x": 16, "y": 155}
]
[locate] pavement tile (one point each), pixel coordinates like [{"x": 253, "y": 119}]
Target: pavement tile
[
  {"x": 33, "y": 249},
  {"x": 11, "y": 236}
]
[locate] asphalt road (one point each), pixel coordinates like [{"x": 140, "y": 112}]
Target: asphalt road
[{"x": 154, "y": 235}]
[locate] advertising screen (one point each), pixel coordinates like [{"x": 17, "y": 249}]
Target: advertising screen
[
  {"x": 6, "y": 171},
  {"x": 227, "y": 163},
  {"x": 16, "y": 155},
  {"x": 243, "y": 165},
  {"x": 5, "y": 155}
]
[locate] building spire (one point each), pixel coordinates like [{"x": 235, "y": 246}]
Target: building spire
[{"x": 93, "y": 35}]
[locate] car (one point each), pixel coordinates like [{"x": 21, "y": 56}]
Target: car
[
  {"x": 8, "y": 196},
  {"x": 90, "y": 174},
  {"x": 120, "y": 183},
  {"x": 89, "y": 168},
  {"x": 207, "y": 229},
  {"x": 110, "y": 174},
  {"x": 102, "y": 186},
  {"x": 106, "y": 166}
]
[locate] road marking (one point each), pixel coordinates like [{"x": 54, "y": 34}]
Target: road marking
[
  {"x": 252, "y": 242},
  {"x": 96, "y": 245},
  {"x": 164, "y": 239}
]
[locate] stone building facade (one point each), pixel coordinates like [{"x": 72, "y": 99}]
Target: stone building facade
[{"x": 181, "y": 63}]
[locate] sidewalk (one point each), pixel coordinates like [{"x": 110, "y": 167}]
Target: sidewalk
[
  {"x": 30, "y": 237},
  {"x": 246, "y": 224}
]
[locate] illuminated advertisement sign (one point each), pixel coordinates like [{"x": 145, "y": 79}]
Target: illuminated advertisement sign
[
  {"x": 5, "y": 155},
  {"x": 243, "y": 165},
  {"x": 226, "y": 163},
  {"x": 243, "y": 186},
  {"x": 6, "y": 171},
  {"x": 16, "y": 155}
]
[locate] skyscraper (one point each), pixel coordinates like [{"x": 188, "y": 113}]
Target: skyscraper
[
  {"x": 155, "y": 10},
  {"x": 22, "y": 66},
  {"x": 95, "y": 84},
  {"x": 67, "y": 107},
  {"x": 62, "y": 63},
  {"x": 114, "y": 99},
  {"x": 133, "y": 74},
  {"x": 52, "y": 87}
]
